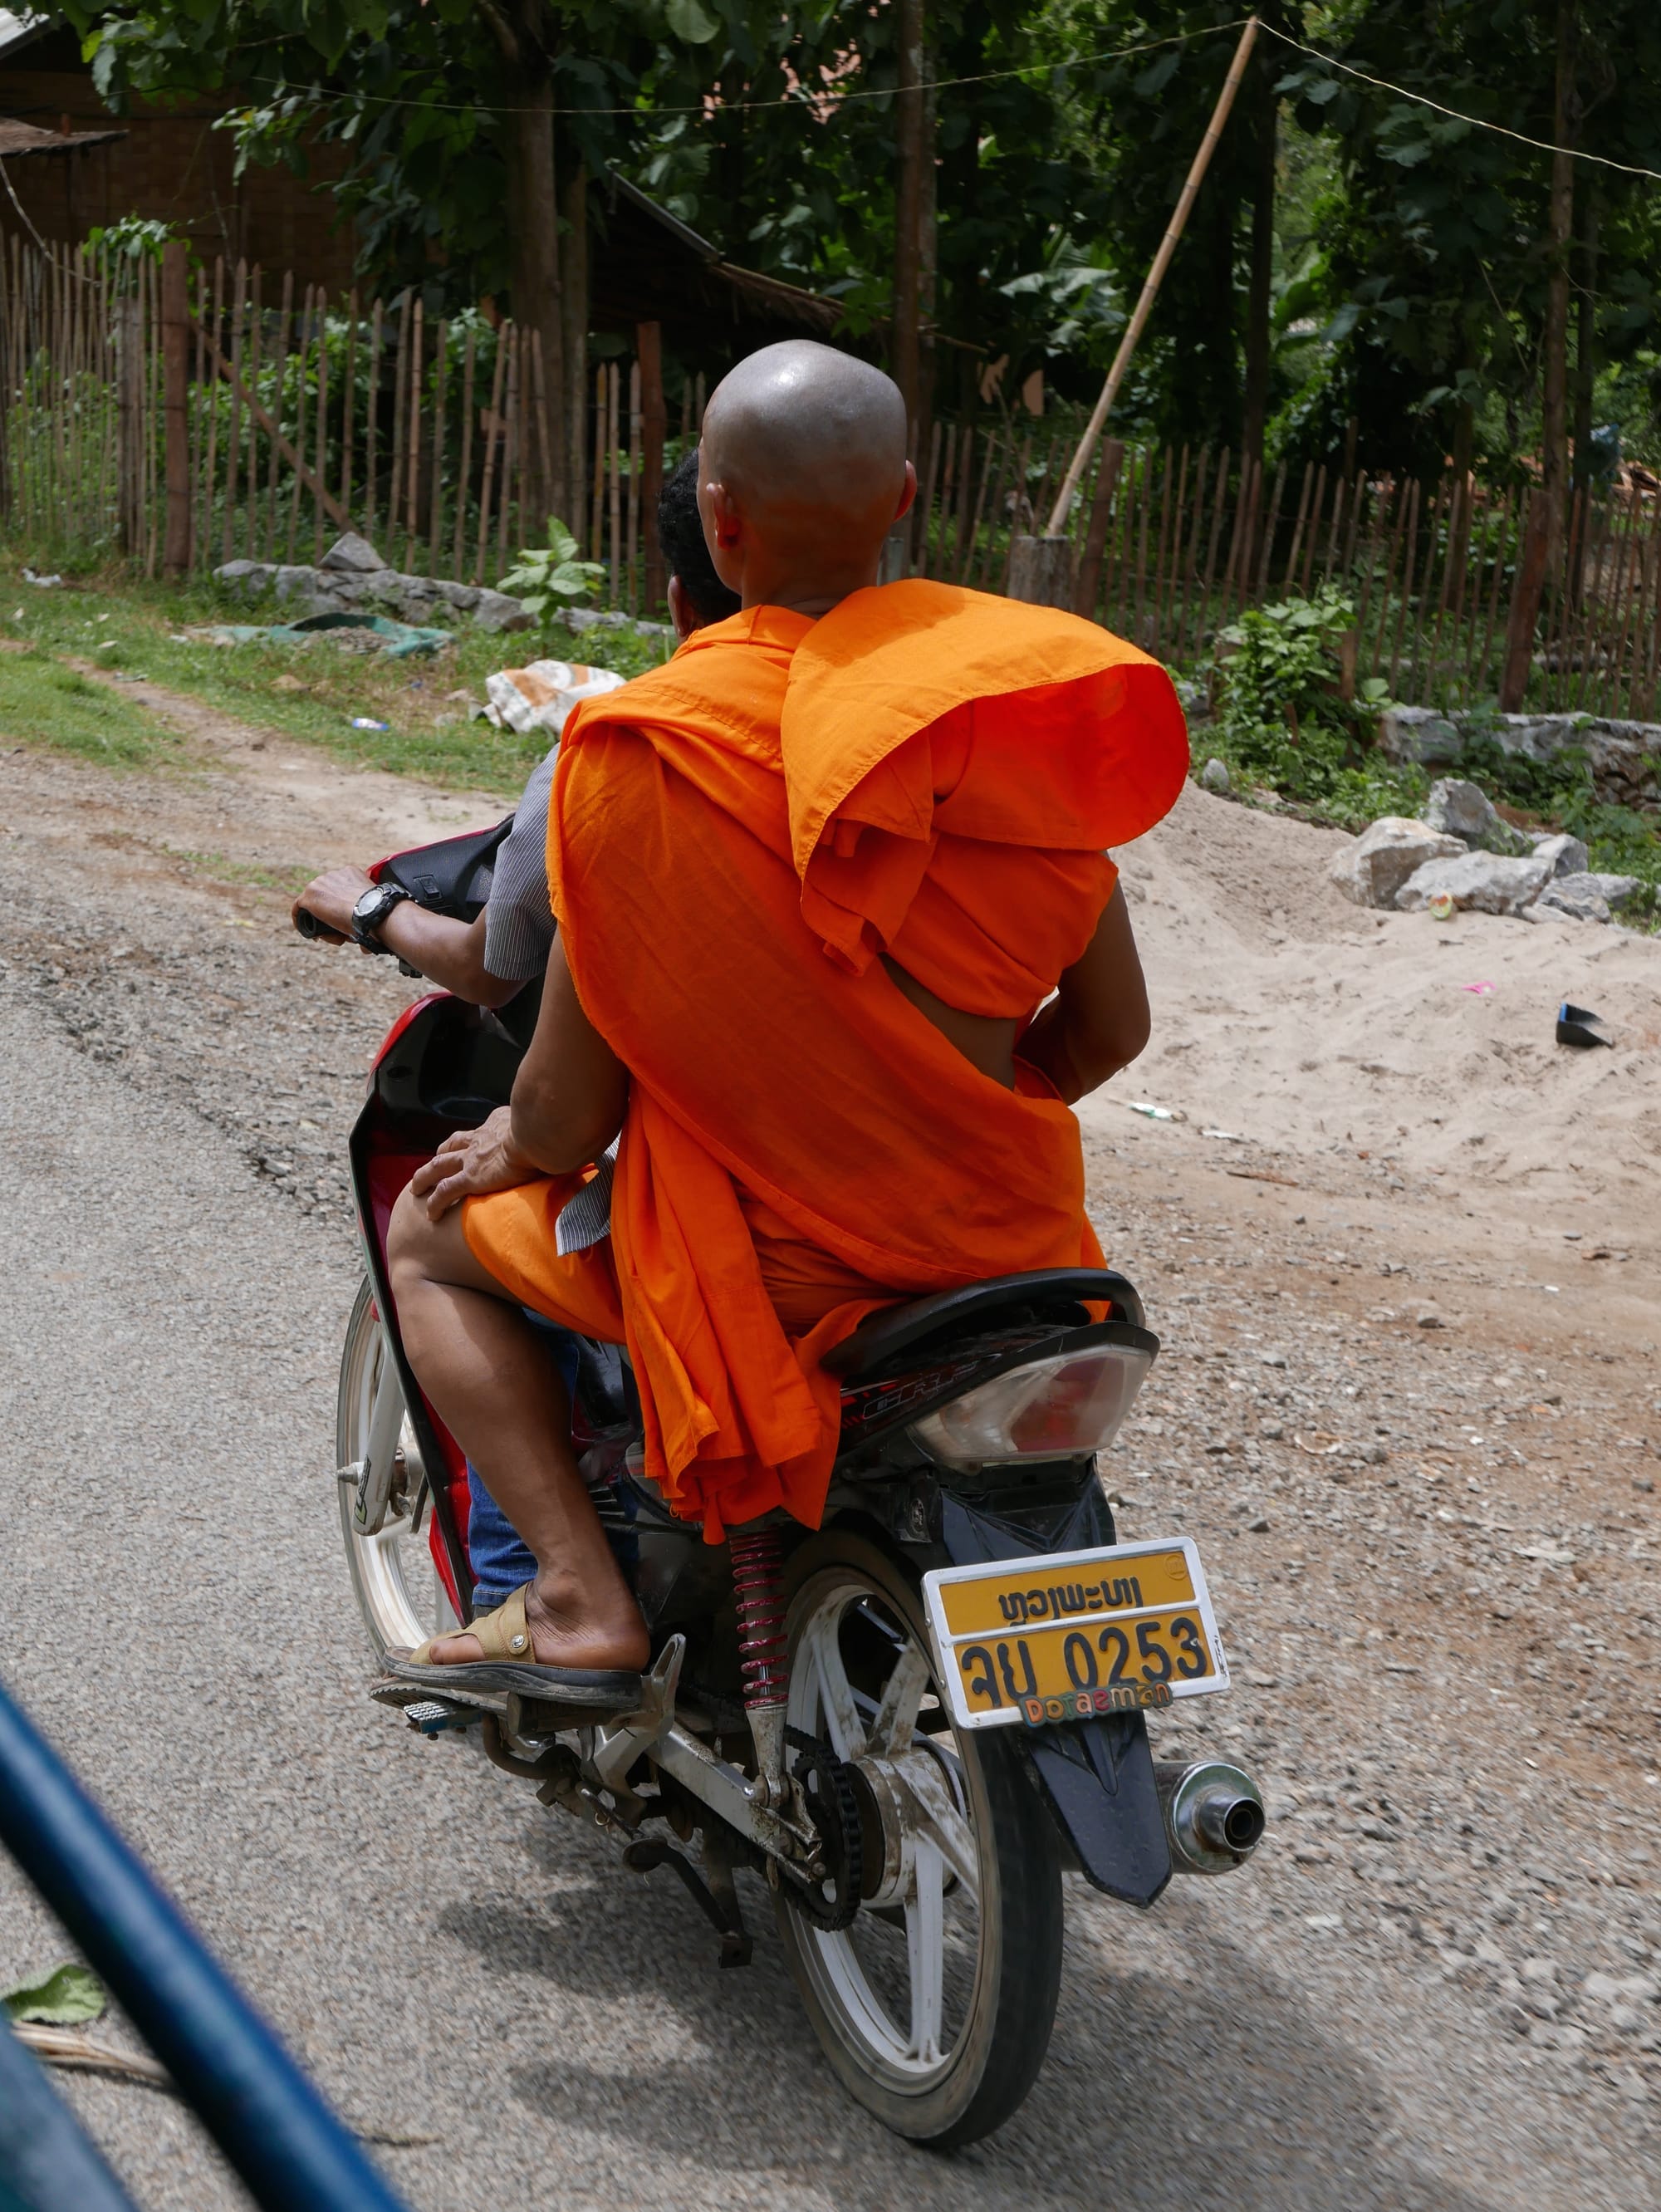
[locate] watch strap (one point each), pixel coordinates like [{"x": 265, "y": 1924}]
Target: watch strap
[{"x": 364, "y": 932}]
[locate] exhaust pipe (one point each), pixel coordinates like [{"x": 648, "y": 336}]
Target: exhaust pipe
[{"x": 1213, "y": 1815}]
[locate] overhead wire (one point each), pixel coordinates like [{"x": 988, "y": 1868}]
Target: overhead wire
[
  {"x": 1458, "y": 115},
  {"x": 825, "y": 102}
]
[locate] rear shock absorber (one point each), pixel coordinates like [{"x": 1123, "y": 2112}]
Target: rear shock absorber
[{"x": 757, "y": 1557}]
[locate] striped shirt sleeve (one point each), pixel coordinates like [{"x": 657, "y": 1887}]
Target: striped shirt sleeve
[{"x": 518, "y": 920}]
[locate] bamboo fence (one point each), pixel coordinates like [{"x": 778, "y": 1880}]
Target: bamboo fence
[{"x": 299, "y": 416}]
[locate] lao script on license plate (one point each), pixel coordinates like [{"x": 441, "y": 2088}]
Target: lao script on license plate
[{"x": 1069, "y": 1635}]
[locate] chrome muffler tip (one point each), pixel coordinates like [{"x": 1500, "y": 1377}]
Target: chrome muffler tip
[{"x": 1214, "y": 1814}]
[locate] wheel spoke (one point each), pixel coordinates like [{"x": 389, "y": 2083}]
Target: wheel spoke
[
  {"x": 896, "y": 1716},
  {"x": 842, "y": 1722},
  {"x": 941, "y": 1828},
  {"x": 925, "y": 1947}
]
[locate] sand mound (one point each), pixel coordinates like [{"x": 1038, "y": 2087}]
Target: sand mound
[{"x": 1308, "y": 1025}]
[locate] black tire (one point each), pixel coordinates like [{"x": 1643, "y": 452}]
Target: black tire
[
  {"x": 397, "y": 1586},
  {"x": 1014, "y": 1981}
]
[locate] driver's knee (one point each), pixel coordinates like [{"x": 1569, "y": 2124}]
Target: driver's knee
[{"x": 411, "y": 1241}]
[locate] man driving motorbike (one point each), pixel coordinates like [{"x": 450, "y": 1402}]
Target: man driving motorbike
[
  {"x": 489, "y": 961},
  {"x": 816, "y": 880}
]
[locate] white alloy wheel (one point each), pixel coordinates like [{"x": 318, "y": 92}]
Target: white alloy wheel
[
  {"x": 399, "y": 1591},
  {"x": 935, "y": 2006}
]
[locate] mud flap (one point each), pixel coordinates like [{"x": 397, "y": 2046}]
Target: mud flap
[{"x": 1096, "y": 1775}]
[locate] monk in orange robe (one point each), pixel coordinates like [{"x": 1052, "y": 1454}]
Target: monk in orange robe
[{"x": 816, "y": 880}]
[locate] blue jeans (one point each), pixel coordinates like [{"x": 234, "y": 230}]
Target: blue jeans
[{"x": 500, "y": 1559}]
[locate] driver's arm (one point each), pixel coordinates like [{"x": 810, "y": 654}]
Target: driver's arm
[
  {"x": 1098, "y": 1020},
  {"x": 570, "y": 1093},
  {"x": 447, "y": 952}
]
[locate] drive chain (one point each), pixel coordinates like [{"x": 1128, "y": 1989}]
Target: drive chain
[{"x": 827, "y": 1786}]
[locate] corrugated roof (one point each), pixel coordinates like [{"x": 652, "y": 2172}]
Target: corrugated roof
[{"x": 17, "y": 27}]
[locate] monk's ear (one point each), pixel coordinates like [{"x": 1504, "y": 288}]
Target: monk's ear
[
  {"x": 908, "y": 494},
  {"x": 723, "y": 525}
]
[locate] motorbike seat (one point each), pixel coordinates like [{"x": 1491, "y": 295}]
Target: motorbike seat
[{"x": 896, "y": 1328}]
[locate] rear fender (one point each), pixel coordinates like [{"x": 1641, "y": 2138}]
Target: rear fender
[{"x": 1096, "y": 1776}]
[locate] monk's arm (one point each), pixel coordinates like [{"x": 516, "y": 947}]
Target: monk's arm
[
  {"x": 1098, "y": 1020},
  {"x": 570, "y": 1093}
]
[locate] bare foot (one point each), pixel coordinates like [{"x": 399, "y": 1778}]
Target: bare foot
[{"x": 570, "y": 1626}]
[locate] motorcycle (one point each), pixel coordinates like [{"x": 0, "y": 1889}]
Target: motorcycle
[{"x": 908, "y": 1722}]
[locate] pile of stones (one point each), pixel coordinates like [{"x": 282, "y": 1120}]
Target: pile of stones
[
  {"x": 1462, "y": 853},
  {"x": 1624, "y": 757},
  {"x": 352, "y": 579}
]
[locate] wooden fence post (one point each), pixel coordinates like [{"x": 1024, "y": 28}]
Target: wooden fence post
[
  {"x": 654, "y": 426},
  {"x": 1528, "y": 588},
  {"x": 1095, "y": 538},
  {"x": 175, "y": 403},
  {"x": 129, "y": 422}
]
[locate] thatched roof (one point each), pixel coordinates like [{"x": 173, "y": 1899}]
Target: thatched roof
[{"x": 18, "y": 139}]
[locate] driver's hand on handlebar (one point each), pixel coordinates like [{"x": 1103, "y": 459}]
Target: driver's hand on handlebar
[
  {"x": 471, "y": 1162},
  {"x": 329, "y": 899}
]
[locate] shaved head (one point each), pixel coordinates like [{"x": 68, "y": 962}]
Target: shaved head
[{"x": 803, "y": 464}]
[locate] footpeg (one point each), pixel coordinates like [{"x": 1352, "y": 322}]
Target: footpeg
[
  {"x": 462, "y": 1708},
  {"x": 430, "y": 1718}
]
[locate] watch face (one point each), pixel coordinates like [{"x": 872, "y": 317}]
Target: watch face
[{"x": 371, "y": 906}]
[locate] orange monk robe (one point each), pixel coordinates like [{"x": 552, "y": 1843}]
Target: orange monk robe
[{"x": 926, "y": 773}]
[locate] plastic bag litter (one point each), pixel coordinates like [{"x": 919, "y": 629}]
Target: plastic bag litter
[
  {"x": 398, "y": 641},
  {"x": 540, "y": 696}
]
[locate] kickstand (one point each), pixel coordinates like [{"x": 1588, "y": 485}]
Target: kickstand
[{"x": 717, "y": 1898}]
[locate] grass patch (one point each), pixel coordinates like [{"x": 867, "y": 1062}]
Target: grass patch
[
  {"x": 1283, "y": 725},
  {"x": 290, "y": 882},
  {"x": 310, "y": 691},
  {"x": 44, "y": 704}
]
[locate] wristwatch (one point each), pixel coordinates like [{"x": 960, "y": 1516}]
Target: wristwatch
[{"x": 371, "y": 910}]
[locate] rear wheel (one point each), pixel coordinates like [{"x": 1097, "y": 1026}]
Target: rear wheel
[
  {"x": 398, "y": 1590},
  {"x": 935, "y": 2006}
]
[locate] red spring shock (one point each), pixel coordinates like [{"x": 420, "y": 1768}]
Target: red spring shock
[{"x": 763, "y": 1654}]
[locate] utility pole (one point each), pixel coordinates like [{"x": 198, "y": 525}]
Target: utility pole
[
  {"x": 1542, "y": 544},
  {"x": 907, "y": 350}
]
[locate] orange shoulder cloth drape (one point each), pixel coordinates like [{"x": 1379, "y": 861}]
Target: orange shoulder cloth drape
[{"x": 926, "y": 773}]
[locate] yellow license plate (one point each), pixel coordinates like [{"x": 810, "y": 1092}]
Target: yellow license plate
[{"x": 1068, "y": 1636}]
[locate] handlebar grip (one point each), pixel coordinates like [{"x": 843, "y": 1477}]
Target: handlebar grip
[{"x": 308, "y": 925}]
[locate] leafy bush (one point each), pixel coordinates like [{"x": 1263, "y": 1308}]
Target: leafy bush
[
  {"x": 550, "y": 577},
  {"x": 1283, "y": 722}
]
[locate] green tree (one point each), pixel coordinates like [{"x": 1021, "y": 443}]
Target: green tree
[{"x": 459, "y": 173}]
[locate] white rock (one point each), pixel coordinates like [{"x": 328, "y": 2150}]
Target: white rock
[
  {"x": 1374, "y": 868},
  {"x": 1568, "y": 854},
  {"x": 1484, "y": 881},
  {"x": 353, "y": 553},
  {"x": 1464, "y": 810},
  {"x": 1420, "y": 735},
  {"x": 1215, "y": 776},
  {"x": 1577, "y": 896},
  {"x": 1617, "y": 891},
  {"x": 496, "y": 610}
]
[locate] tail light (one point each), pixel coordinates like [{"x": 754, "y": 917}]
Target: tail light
[{"x": 1056, "y": 1408}]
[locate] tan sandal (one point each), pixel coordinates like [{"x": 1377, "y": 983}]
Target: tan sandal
[{"x": 508, "y": 1666}]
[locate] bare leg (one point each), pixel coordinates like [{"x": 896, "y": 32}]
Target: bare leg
[{"x": 482, "y": 1366}]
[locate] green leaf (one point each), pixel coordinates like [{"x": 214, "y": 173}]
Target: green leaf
[
  {"x": 689, "y": 21},
  {"x": 69, "y": 1995}
]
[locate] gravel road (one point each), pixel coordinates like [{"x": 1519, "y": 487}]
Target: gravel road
[{"x": 1433, "y": 1548}]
